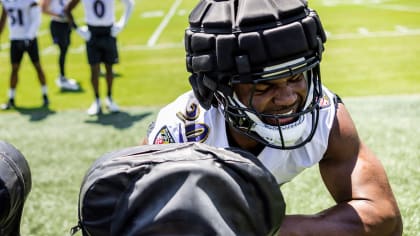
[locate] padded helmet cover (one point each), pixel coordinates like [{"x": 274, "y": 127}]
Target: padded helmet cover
[{"x": 229, "y": 38}]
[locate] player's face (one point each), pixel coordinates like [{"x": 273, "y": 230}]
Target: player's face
[{"x": 276, "y": 97}]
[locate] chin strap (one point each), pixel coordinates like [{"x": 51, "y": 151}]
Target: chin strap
[{"x": 283, "y": 136}]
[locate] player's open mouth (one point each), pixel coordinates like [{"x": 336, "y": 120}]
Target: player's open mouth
[{"x": 281, "y": 121}]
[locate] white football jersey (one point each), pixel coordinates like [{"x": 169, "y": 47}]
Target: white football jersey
[
  {"x": 184, "y": 120},
  {"x": 19, "y": 18},
  {"x": 99, "y": 12},
  {"x": 57, "y": 7}
]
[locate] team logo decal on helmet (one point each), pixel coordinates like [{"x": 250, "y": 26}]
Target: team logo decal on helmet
[{"x": 251, "y": 41}]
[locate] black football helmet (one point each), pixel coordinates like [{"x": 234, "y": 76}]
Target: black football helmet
[{"x": 252, "y": 41}]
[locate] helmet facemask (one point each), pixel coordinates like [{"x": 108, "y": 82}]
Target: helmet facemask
[{"x": 247, "y": 120}]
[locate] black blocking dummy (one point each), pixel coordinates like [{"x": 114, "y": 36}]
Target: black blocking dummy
[
  {"x": 15, "y": 185},
  {"x": 179, "y": 189}
]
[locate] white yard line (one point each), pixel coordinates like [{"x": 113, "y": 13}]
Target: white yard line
[
  {"x": 395, "y": 7},
  {"x": 379, "y": 4},
  {"x": 351, "y": 2},
  {"x": 364, "y": 33},
  {"x": 163, "y": 24}
]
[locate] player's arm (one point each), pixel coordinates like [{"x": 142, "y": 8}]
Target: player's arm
[
  {"x": 67, "y": 11},
  {"x": 2, "y": 19},
  {"x": 118, "y": 26},
  {"x": 145, "y": 141},
  {"x": 35, "y": 15},
  {"x": 45, "y": 7},
  {"x": 365, "y": 204},
  {"x": 149, "y": 130},
  {"x": 127, "y": 12}
]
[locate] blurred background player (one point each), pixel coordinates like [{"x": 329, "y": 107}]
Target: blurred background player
[
  {"x": 60, "y": 33},
  {"x": 2, "y": 18},
  {"x": 101, "y": 43},
  {"x": 24, "y": 18}
]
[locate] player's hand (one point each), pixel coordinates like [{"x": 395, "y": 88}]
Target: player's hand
[
  {"x": 63, "y": 16},
  {"x": 116, "y": 29},
  {"x": 84, "y": 32}
]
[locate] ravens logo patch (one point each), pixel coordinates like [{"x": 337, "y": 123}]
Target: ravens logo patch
[{"x": 163, "y": 136}]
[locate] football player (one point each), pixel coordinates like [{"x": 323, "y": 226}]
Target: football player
[
  {"x": 60, "y": 33},
  {"x": 24, "y": 19},
  {"x": 256, "y": 84},
  {"x": 101, "y": 43}
]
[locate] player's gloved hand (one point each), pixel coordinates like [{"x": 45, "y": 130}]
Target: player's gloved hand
[
  {"x": 116, "y": 29},
  {"x": 84, "y": 32}
]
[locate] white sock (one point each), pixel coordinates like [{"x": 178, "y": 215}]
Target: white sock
[
  {"x": 44, "y": 89},
  {"x": 12, "y": 93}
]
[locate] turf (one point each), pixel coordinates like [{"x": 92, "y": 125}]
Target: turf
[{"x": 66, "y": 143}]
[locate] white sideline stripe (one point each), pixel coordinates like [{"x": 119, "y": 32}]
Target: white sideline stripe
[
  {"x": 163, "y": 24},
  {"x": 4, "y": 46},
  {"x": 363, "y": 31},
  {"x": 396, "y": 7},
  {"x": 373, "y": 4},
  {"x": 152, "y": 14},
  {"x": 382, "y": 34},
  {"x": 353, "y": 2},
  {"x": 400, "y": 31}
]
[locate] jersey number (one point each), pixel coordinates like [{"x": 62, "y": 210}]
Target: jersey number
[
  {"x": 15, "y": 16},
  {"x": 99, "y": 8}
]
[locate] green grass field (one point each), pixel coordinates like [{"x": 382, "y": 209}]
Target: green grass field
[{"x": 371, "y": 60}]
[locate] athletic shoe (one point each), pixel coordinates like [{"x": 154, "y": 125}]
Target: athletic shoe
[
  {"x": 94, "y": 109},
  {"x": 45, "y": 101},
  {"x": 9, "y": 104},
  {"x": 67, "y": 84},
  {"x": 111, "y": 105}
]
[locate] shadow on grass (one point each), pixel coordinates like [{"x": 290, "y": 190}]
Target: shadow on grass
[
  {"x": 120, "y": 120},
  {"x": 35, "y": 113},
  {"x": 64, "y": 91},
  {"x": 115, "y": 74}
]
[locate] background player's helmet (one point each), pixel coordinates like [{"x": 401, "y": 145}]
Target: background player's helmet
[{"x": 252, "y": 41}]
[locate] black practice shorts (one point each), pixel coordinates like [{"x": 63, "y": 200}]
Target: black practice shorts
[
  {"x": 60, "y": 33},
  {"x": 102, "y": 47},
  {"x": 18, "y": 48}
]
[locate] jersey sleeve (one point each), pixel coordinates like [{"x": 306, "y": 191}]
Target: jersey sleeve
[
  {"x": 165, "y": 129},
  {"x": 168, "y": 126}
]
